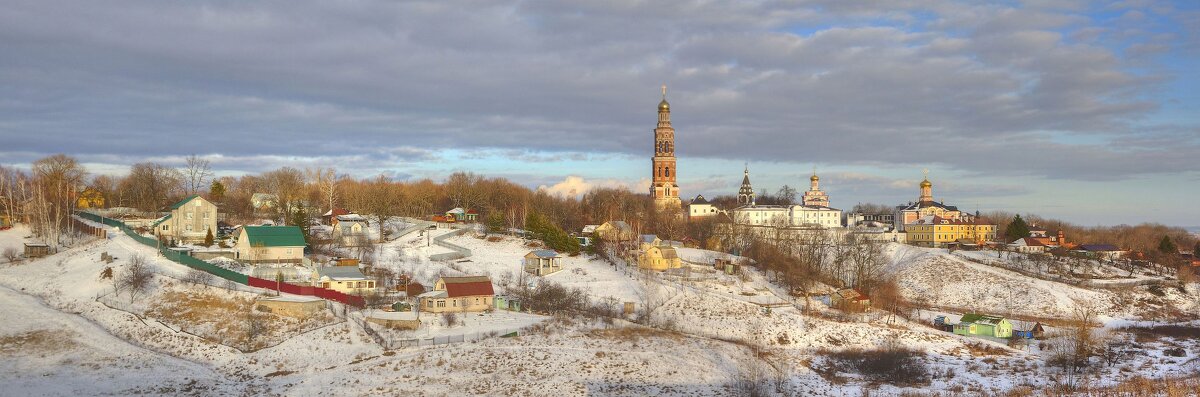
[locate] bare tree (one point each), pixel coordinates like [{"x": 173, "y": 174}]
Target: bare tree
[
  {"x": 464, "y": 191},
  {"x": 136, "y": 276},
  {"x": 150, "y": 184},
  {"x": 326, "y": 181},
  {"x": 196, "y": 174}
]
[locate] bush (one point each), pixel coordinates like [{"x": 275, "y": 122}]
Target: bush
[
  {"x": 11, "y": 254},
  {"x": 449, "y": 319},
  {"x": 893, "y": 365}
]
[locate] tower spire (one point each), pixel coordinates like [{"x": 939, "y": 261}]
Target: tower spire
[{"x": 664, "y": 88}]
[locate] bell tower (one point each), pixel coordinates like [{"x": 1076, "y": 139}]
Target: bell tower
[{"x": 663, "y": 187}]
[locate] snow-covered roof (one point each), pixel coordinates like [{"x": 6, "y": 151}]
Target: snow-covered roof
[
  {"x": 351, "y": 218},
  {"x": 590, "y": 228},
  {"x": 457, "y": 210},
  {"x": 544, "y": 253},
  {"x": 648, "y": 238},
  {"x": 341, "y": 273},
  {"x": 433, "y": 294}
]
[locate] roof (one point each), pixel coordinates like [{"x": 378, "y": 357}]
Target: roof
[
  {"x": 699, "y": 199},
  {"x": 937, "y": 220},
  {"x": 457, "y": 210},
  {"x": 468, "y": 286},
  {"x": 978, "y": 318},
  {"x": 1027, "y": 241},
  {"x": 341, "y": 273},
  {"x": 432, "y": 294},
  {"x": 648, "y": 238},
  {"x": 590, "y": 228},
  {"x": 337, "y": 211},
  {"x": 350, "y": 218},
  {"x": 160, "y": 220},
  {"x": 851, "y": 294},
  {"x": 619, "y": 225},
  {"x": 668, "y": 252},
  {"x": 1099, "y": 247},
  {"x": 544, "y": 253},
  {"x": 926, "y": 204},
  {"x": 184, "y": 201},
  {"x": 274, "y": 236}
]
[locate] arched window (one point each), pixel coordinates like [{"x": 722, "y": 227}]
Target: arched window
[{"x": 668, "y": 172}]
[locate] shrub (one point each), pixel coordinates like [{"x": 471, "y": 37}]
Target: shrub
[
  {"x": 11, "y": 254},
  {"x": 893, "y": 365}
]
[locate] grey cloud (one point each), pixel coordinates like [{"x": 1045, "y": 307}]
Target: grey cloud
[{"x": 962, "y": 84}]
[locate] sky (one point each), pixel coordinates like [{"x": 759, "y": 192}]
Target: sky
[{"x": 1079, "y": 110}]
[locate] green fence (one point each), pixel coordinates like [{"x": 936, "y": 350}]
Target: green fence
[{"x": 174, "y": 256}]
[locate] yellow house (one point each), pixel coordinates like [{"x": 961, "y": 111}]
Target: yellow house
[
  {"x": 90, "y": 198},
  {"x": 659, "y": 258},
  {"x": 458, "y": 294},
  {"x": 270, "y": 244},
  {"x": 614, "y": 231},
  {"x": 190, "y": 220},
  {"x": 935, "y": 231},
  {"x": 344, "y": 279}
]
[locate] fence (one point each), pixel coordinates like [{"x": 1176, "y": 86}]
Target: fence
[
  {"x": 224, "y": 273},
  {"x": 459, "y": 252},
  {"x": 85, "y": 228}
]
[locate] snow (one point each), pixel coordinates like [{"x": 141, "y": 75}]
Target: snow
[{"x": 58, "y": 339}]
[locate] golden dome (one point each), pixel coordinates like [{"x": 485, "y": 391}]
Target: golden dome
[
  {"x": 926, "y": 183},
  {"x": 814, "y": 178},
  {"x": 664, "y": 105}
]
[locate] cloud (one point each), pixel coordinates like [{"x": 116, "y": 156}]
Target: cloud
[
  {"x": 576, "y": 186},
  {"x": 1045, "y": 90}
]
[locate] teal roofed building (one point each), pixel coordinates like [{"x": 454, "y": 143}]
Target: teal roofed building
[{"x": 270, "y": 244}]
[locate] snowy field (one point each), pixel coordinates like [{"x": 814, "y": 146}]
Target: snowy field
[{"x": 59, "y": 340}]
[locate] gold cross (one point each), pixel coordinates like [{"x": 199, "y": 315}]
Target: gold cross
[{"x": 664, "y": 91}]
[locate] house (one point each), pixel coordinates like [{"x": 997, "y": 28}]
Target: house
[
  {"x": 36, "y": 250},
  {"x": 850, "y": 300},
  {"x": 648, "y": 240},
  {"x": 327, "y": 217},
  {"x": 263, "y": 201},
  {"x": 612, "y": 231},
  {"x": 344, "y": 279},
  {"x": 588, "y": 230},
  {"x": 190, "y": 220},
  {"x": 90, "y": 198},
  {"x": 542, "y": 262},
  {"x": 458, "y": 294},
  {"x": 1034, "y": 332},
  {"x": 350, "y": 230},
  {"x": 1101, "y": 251},
  {"x": 658, "y": 257},
  {"x": 984, "y": 325},
  {"x": 460, "y": 215},
  {"x": 700, "y": 208},
  {"x": 270, "y": 244},
  {"x": 1028, "y": 245}
]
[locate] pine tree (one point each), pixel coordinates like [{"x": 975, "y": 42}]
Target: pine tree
[
  {"x": 208, "y": 239},
  {"x": 216, "y": 191},
  {"x": 1017, "y": 229},
  {"x": 1196, "y": 250},
  {"x": 300, "y": 218},
  {"x": 1167, "y": 246}
]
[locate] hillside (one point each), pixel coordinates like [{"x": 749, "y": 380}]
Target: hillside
[{"x": 711, "y": 333}]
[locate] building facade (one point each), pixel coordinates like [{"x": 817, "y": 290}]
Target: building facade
[
  {"x": 190, "y": 220},
  {"x": 935, "y": 231},
  {"x": 815, "y": 196},
  {"x": 925, "y": 207},
  {"x": 700, "y": 208},
  {"x": 663, "y": 187}
]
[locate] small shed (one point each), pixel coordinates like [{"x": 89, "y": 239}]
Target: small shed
[
  {"x": 506, "y": 302},
  {"x": 298, "y": 307},
  {"x": 1034, "y": 332},
  {"x": 36, "y": 250},
  {"x": 542, "y": 262},
  {"x": 851, "y": 300},
  {"x": 395, "y": 320}
]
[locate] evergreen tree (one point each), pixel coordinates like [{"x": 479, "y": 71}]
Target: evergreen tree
[
  {"x": 1016, "y": 229},
  {"x": 551, "y": 234},
  {"x": 1196, "y": 250},
  {"x": 495, "y": 222},
  {"x": 1167, "y": 246},
  {"x": 300, "y": 218},
  {"x": 208, "y": 239},
  {"x": 216, "y": 191}
]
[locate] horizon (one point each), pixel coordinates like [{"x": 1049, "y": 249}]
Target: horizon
[{"x": 1068, "y": 110}]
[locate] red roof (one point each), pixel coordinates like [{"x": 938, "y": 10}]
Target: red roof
[{"x": 468, "y": 286}]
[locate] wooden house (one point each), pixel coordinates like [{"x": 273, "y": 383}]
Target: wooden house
[
  {"x": 613, "y": 231},
  {"x": 344, "y": 279},
  {"x": 459, "y": 294},
  {"x": 1034, "y": 332},
  {"x": 270, "y": 244},
  {"x": 850, "y": 300},
  {"x": 984, "y": 325}
]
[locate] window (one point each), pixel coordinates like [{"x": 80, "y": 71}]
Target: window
[
  {"x": 197, "y": 203},
  {"x": 429, "y": 303},
  {"x": 189, "y": 215},
  {"x": 188, "y": 228}
]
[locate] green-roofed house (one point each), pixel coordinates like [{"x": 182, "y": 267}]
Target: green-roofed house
[
  {"x": 270, "y": 244},
  {"x": 188, "y": 220},
  {"x": 985, "y": 325}
]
